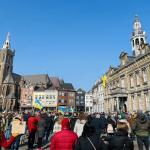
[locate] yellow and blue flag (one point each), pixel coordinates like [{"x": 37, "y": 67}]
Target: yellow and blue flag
[
  {"x": 104, "y": 81},
  {"x": 37, "y": 104},
  {"x": 62, "y": 109}
]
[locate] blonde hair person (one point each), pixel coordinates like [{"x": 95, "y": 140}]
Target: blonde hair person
[
  {"x": 57, "y": 125},
  {"x": 78, "y": 128},
  {"x": 122, "y": 126}
]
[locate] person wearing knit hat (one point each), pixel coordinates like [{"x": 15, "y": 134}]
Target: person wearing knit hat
[{"x": 64, "y": 139}]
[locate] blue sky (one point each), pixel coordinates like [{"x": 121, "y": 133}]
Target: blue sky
[{"x": 76, "y": 40}]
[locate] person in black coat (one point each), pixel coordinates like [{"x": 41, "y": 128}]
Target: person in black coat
[
  {"x": 88, "y": 140},
  {"x": 97, "y": 123},
  {"x": 120, "y": 140},
  {"x": 73, "y": 121}
]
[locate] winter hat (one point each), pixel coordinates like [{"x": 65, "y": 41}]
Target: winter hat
[{"x": 65, "y": 123}]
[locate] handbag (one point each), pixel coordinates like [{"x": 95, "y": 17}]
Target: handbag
[{"x": 91, "y": 143}]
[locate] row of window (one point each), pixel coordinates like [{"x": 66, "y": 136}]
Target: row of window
[
  {"x": 65, "y": 94},
  {"x": 80, "y": 97},
  {"x": 140, "y": 100},
  {"x": 135, "y": 80},
  {"x": 45, "y": 96}
]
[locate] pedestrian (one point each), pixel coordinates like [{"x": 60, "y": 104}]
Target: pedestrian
[
  {"x": 18, "y": 120},
  {"x": 78, "y": 128},
  {"x": 73, "y": 120},
  {"x": 88, "y": 140},
  {"x": 111, "y": 125},
  {"x": 57, "y": 124},
  {"x": 49, "y": 126},
  {"x": 4, "y": 143},
  {"x": 64, "y": 139},
  {"x": 120, "y": 140},
  {"x": 32, "y": 127},
  {"x": 41, "y": 127},
  {"x": 142, "y": 130},
  {"x": 97, "y": 124}
]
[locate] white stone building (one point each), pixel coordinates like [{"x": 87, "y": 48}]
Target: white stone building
[{"x": 89, "y": 102}]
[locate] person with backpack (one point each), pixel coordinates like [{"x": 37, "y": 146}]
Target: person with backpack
[
  {"x": 88, "y": 140},
  {"x": 111, "y": 125},
  {"x": 141, "y": 128},
  {"x": 120, "y": 140}
]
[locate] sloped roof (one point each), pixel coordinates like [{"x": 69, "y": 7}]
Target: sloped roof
[
  {"x": 55, "y": 81},
  {"x": 9, "y": 79},
  {"x": 67, "y": 86},
  {"x": 42, "y": 88},
  {"x": 36, "y": 79},
  {"x": 16, "y": 77}
]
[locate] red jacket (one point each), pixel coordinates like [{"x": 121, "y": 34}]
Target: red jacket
[
  {"x": 4, "y": 143},
  {"x": 65, "y": 139},
  {"x": 32, "y": 124}
]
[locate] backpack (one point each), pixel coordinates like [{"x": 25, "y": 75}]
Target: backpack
[{"x": 110, "y": 128}]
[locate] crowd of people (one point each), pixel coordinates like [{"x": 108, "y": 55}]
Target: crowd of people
[{"x": 76, "y": 131}]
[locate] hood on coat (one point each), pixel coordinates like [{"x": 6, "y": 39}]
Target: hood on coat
[{"x": 65, "y": 123}]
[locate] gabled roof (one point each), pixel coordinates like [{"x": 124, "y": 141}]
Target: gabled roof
[
  {"x": 81, "y": 90},
  {"x": 42, "y": 88},
  {"x": 36, "y": 79},
  {"x": 123, "y": 54},
  {"x": 67, "y": 86},
  {"x": 55, "y": 81}
]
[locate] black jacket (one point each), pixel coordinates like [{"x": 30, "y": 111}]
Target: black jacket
[
  {"x": 84, "y": 144},
  {"x": 120, "y": 140},
  {"x": 97, "y": 123}
]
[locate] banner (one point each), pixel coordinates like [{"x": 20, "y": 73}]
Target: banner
[
  {"x": 37, "y": 104},
  {"x": 18, "y": 127}
]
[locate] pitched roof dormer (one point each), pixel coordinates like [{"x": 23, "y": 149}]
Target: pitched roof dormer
[{"x": 123, "y": 58}]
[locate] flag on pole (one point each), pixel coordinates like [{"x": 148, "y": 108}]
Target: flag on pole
[
  {"x": 37, "y": 104},
  {"x": 62, "y": 109},
  {"x": 104, "y": 81}
]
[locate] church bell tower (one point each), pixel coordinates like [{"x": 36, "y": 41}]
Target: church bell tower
[
  {"x": 138, "y": 36},
  {"x": 6, "y": 59}
]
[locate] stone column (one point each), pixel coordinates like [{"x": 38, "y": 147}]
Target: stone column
[
  {"x": 148, "y": 75},
  {"x": 117, "y": 100}
]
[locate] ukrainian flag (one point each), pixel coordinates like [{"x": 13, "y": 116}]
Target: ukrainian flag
[
  {"x": 62, "y": 109},
  {"x": 37, "y": 104}
]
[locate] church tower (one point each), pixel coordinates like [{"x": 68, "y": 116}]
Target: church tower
[
  {"x": 138, "y": 37},
  {"x": 6, "y": 59}
]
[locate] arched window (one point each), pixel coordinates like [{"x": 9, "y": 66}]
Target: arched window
[
  {"x": 142, "y": 41},
  {"x": 8, "y": 90},
  {"x": 133, "y": 43},
  {"x": 8, "y": 68},
  {"x": 137, "y": 41}
]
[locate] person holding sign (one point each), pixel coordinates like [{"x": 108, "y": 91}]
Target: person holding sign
[{"x": 3, "y": 142}]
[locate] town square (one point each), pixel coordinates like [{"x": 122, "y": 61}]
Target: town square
[{"x": 74, "y": 75}]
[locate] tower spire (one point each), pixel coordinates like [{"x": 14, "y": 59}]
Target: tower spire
[
  {"x": 138, "y": 36},
  {"x": 7, "y": 42}
]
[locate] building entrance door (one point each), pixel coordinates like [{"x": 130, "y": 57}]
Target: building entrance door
[{"x": 122, "y": 104}]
